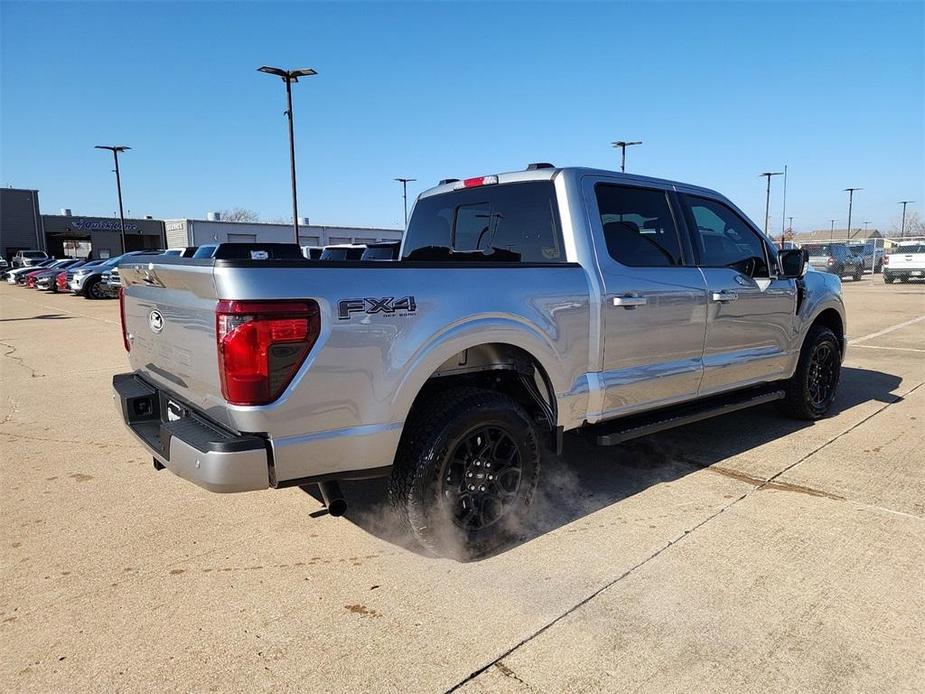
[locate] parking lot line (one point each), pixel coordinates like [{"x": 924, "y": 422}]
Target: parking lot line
[
  {"x": 895, "y": 349},
  {"x": 885, "y": 331}
]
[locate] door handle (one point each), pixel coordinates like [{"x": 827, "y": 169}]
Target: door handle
[
  {"x": 724, "y": 296},
  {"x": 630, "y": 301}
]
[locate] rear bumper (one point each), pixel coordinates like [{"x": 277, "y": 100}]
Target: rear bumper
[
  {"x": 904, "y": 272},
  {"x": 191, "y": 447}
]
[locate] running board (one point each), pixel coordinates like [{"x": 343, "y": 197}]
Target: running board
[{"x": 635, "y": 426}]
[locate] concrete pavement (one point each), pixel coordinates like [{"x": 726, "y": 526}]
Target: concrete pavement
[{"x": 746, "y": 553}]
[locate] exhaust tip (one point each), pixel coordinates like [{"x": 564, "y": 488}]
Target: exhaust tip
[{"x": 333, "y": 498}]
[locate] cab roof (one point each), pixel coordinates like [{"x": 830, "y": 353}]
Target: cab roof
[{"x": 549, "y": 172}]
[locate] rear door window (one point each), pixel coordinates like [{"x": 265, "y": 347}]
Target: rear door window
[
  {"x": 520, "y": 218},
  {"x": 639, "y": 228}
]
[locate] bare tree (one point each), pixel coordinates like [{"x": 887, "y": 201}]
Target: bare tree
[
  {"x": 914, "y": 225},
  {"x": 239, "y": 214}
]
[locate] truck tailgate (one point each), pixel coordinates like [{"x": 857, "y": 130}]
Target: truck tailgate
[{"x": 169, "y": 313}]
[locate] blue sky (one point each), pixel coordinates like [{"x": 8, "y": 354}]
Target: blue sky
[{"x": 718, "y": 92}]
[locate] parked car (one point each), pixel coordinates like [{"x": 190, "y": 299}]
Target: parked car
[
  {"x": 63, "y": 279},
  {"x": 387, "y": 250},
  {"x": 312, "y": 252},
  {"x": 835, "y": 258},
  {"x": 526, "y": 304},
  {"x": 4, "y": 266},
  {"x": 43, "y": 276},
  {"x": 23, "y": 279},
  {"x": 48, "y": 281},
  {"x": 345, "y": 251},
  {"x": 13, "y": 273},
  {"x": 905, "y": 262},
  {"x": 110, "y": 283},
  {"x": 87, "y": 281},
  {"x": 28, "y": 258},
  {"x": 871, "y": 255}
]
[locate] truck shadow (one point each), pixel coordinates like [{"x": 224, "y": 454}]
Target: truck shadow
[{"x": 587, "y": 478}]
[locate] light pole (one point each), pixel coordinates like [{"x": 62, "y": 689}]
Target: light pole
[
  {"x": 790, "y": 226},
  {"x": 902, "y": 226},
  {"x": 767, "y": 198},
  {"x": 783, "y": 212},
  {"x": 115, "y": 149},
  {"x": 832, "y": 230},
  {"x": 290, "y": 76},
  {"x": 622, "y": 145},
  {"x": 404, "y": 195},
  {"x": 850, "y": 192}
]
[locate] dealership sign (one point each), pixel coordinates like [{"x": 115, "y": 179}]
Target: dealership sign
[{"x": 102, "y": 225}]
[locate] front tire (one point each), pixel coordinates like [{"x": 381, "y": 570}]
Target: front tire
[
  {"x": 859, "y": 273},
  {"x": 465, "y": 472},
  {"x": 811, "y": 390},
  {"x": 94, "y": 291}
]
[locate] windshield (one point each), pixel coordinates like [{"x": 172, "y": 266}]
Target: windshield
[
  {"x": 205, "y": 252},
  {"x": 34, "y": 254},
  {"x": 381, "y": 252},
  {"x": 353, "y": 253}
]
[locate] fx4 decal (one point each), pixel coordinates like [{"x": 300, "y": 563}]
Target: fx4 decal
[{"x": 369, "y": 305}]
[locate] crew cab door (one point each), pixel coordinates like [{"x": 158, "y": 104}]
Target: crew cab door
[
  {"x": 751, "y": 312},
  {"x": 654, "y": 301}
]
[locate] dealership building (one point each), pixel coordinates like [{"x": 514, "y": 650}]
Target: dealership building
[
  {"x": 20, "y": 222},
  {"x": 79, "y": 236},
  {"x": 24, "y": 227},
  {"x": 201, "y": 232}
]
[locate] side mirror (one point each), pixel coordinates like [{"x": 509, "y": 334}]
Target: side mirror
[{"x": 792, "y": 262}]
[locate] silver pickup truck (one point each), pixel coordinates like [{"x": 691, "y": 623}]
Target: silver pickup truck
[{"x": 523, "y": 305}]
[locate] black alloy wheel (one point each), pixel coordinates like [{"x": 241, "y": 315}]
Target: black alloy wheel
[
  {"x": 483, "y": 477},
  {"x": 823, "y": 374}
]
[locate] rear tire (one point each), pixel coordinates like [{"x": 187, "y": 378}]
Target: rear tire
[
  {"x": 811, "y": 390},
  {"x": 859, "y": 273},
  {"x": 465, "y": 472},
  {"x": 904, "y": 279},
  {"x": 888, "y": 278}
]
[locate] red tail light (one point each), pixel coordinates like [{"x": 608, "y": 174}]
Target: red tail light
[
  {"x": 830, "y": 261},
  {"x": 125, "y": 340},
  {"x": 61, "y": 280},
  {"x": 31, "y": 281},
  {"x": 261, "y": 346}
]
